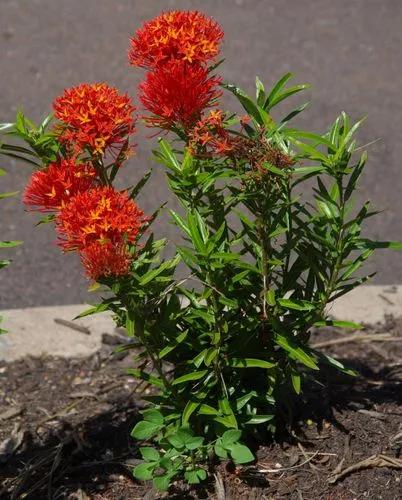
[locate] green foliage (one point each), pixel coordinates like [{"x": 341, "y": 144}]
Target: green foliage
[
  {"x": 6, "y": 244},
  {"x": 266, "y": 256},
  {"x": 180, "y": 453},
  {"x": 226, "y": 348},
  {"x": 40, "y": 144}
]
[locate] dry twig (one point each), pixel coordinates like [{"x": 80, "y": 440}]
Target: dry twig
[
  {"x": 368, "y": 463},
  {"x": 73, "y": 326},
  {"x": 374, "y": 337},
  {"x": 283, "y": 469}
]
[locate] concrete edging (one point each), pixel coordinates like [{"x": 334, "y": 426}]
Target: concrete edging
[{"x": 33, "y": 331}]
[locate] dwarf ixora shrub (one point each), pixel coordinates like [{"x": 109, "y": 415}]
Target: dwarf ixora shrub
[{"x": 266, "y": 252}]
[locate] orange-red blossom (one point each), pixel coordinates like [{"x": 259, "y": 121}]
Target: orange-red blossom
[
  {"x": 187, "y": 36},
  {"x": 94, "y": 117},
  {"x": 50, "y": 189},
  {"x": 99, "y": 224}
]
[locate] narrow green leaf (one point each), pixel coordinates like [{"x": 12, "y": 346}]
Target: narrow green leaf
[
  {"x": 249, "y": 363},
  {"x": 205, "y": 409},
  {"x": 298, "y": 305},
  {"x": 189, "y": 409},
  {"x": 190, "y": 377},
  {"x": 339, "y": 324},
  {"x": 296, "y": 351},
  {"x": 9, "y": 244}
]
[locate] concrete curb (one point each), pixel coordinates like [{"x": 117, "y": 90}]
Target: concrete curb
[{"x": 34, "y": 332}]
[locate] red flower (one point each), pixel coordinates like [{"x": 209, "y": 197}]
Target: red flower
[
  {"x": 100, "y": 215},
  {"x": 211, "y": 135},
  {"x": 177, "y": 94},
  {"x": 50, "y": 189},
  {"x": 94, "y": 116},
  {"x": 105, "y": 259},
  {"x": 181, "y": 35}
]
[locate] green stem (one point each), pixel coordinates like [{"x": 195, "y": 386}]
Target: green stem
[
  {"x": 139, "y": 331},
  {"x": 339, "y": 243}
]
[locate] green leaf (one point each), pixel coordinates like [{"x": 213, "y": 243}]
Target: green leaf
[
  {"x": 194, "y": 443},
  {"x": 205, "y": 409},
  {"x": 149, "y": 454},
  {"x": 154, "y": 416},
  {"x": 189, "y": 409},
  {"x": 162, "y": 483},
  {"x": 228, "y": 422},
  {"x": 393, "y": 245},
  {"x": 296, "y": 351},
  {"x": 172, "y": 345},
  {"x": 277, "y": 88},
  {"x": 152, "y": 379},
  {"x": 298, "y": 305},
  {"x": 328, "y": 360},
  {"x": 9, "y": 244},
  {"x": 140, "y": 184},
  {"x": 240, "y": 402},
  {"x": 220, "y": 450},
  {"x": 169, "y": 156},
  {"x": 195, "y": 476},
  {"x": 94, "y": 310},
  {"x": 230, "y": 437},
  {"x": 241, "y": 454},
  {"x": 285, "y": 94},
  {"x": 144, "y": 471},
  {"x": 210, "y": 356},
  {"x": 296, "y": 380},
  {"x": 180, "y": 222},
  {"x": 260, "y": 91},
  {"x": 259, "y": 419},
  {"x": 145, "y": 430},
  {"x": 274, "y": 170},
  {"x": 151, "y": 275},
  {"x": 8, "y": 195},
  {"x": 249, "y": 363},
  {"x": 340, "y": 324},
  {"x": 270, "y": 296},
  {"x": 189, "y": 377},
  {"x": 307, "y": 170}
]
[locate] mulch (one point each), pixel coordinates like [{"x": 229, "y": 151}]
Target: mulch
[{"x": 65, "y": 424}]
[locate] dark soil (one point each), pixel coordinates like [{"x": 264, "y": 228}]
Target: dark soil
[{"x": 65, "y": 427}]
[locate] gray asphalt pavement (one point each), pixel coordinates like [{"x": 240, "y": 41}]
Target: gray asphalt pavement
[{"x": 349, "y": 50}]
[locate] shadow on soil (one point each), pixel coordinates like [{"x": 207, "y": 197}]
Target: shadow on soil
[{"x": 84, "y": 457}]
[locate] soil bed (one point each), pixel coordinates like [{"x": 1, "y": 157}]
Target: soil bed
[{"x": 65, "y": 423}]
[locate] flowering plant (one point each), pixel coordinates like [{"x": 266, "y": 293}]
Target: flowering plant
[{"x": 226, "y": 346}]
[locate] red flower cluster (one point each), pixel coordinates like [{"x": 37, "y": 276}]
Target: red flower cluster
[
  {"x": 50, "y": 189},
  {"x": 94, "y": 117},
  {"x": 176, "y": 47},
  {"x": 178, "y": 94},
  {"x": 105, "y": 259},
  {"x": 100, "y": 215},
  {"x": 99, "y": 224},
  {"x": 176, "y": 35}
]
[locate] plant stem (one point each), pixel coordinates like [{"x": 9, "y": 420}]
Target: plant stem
[
  {"x": 139, "y": 331},
  {"x": 336, "y": 267}
]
